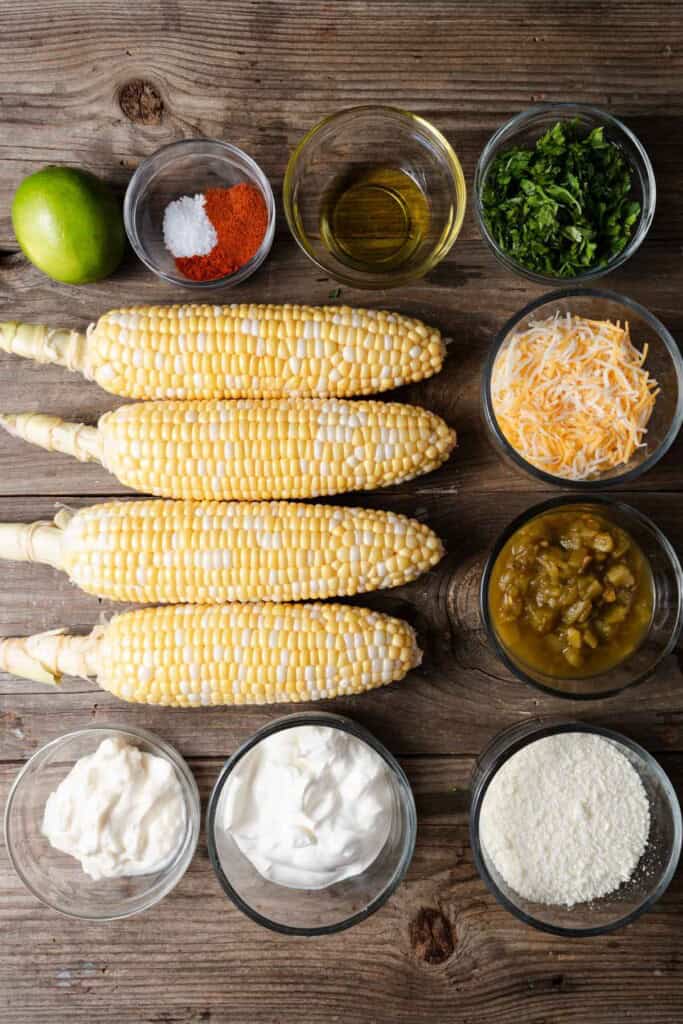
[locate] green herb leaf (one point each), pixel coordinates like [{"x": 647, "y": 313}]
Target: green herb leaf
[{"x": 563, "y": 206}]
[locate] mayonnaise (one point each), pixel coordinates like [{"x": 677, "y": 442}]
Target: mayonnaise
[
  {"x": 119, "y": 811},
  {"x": 309, "y": 806}
]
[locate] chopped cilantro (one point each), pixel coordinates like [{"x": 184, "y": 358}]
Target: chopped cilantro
[{"x": 563, "y": 207}]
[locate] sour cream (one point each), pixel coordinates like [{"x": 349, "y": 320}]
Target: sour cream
[
  {"x": 119, "y": 811},
  {"x": 309, "y": 806}
]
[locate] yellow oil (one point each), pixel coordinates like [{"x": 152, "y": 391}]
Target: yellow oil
[{"x": 374, "y": 218}]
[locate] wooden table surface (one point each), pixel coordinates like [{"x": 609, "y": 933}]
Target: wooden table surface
[{"x": 102, "y": 86}]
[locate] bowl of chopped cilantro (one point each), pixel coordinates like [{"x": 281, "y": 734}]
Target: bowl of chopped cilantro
[{"x": 564, "y": 192}]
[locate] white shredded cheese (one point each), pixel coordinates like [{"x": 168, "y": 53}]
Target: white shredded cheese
[
  {"x": 572, "y": 395},
  {"x": 187, "y": 229}
]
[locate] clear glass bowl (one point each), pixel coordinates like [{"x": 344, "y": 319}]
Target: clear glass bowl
[
  {"x": 657, "y": 865},
  {"x": 370, "y": 136},
  {"x": 524, "y": 130},
  {"x": 664, "y": 362},
  {"x": 186, "y": 168},
  {"x": 56, "y": 878},
  {"x": 320, "y": 911},
  {"x": 667, "y": 616}
]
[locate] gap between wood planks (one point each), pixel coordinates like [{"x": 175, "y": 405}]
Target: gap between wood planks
[{"x": 345, "y": 497}]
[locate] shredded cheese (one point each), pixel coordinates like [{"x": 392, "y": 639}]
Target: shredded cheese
[{"x": 572, "y": 395}]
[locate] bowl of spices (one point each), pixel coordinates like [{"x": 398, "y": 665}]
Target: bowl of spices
[
  {"x": 584, "y": 388},
  {"x": 200, "y": 213},
  {"x": 575, "y": 829},
  {"x": 564, "y": 191},
  {"x": 582, "y": 598},
  {"x": 311, "y": 825},
  {"x": 102, "y": 823},
  {"x": 375, "y": 196}
]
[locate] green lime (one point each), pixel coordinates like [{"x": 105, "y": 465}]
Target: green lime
[{"x": 68, "y": 224}]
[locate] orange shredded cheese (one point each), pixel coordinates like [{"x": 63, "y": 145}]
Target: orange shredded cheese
[{"x": 572, "y": 396}]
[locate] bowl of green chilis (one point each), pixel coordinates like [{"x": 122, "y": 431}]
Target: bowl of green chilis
[{"x": 564, "y": 192}]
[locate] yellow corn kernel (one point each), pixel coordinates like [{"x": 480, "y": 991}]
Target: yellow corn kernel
[
  {"x": 209, "y": 552},
  {"x": 193, "y": 656},
  {"x": 238, "y": 351},
  {"x": 279, "y": 448}
]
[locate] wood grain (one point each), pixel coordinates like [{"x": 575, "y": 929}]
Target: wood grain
[
  {"x": 195, "y": 958},
  {"x": 452, "y": 704},
  {"x": 263, "y": 72},
  {"x": 468, "y": 304},
  {"x": 103, "y": 85}
]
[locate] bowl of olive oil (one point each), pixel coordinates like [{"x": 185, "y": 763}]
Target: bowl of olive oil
[{"x": 375, "y": 196}]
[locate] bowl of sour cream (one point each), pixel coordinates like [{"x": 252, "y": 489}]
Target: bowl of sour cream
[
  {"x": 102, "y": 823},
  {"x": 311, "y": 825}
]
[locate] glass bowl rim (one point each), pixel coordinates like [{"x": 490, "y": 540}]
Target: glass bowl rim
[
  {"x": 190, "y": 794},
  {"x": 221, "y": 148},
  {"x": 446, "y": 150},
  {"x": 353, "y": 728},
  {"x": 563, "y": 109},
  {"x": 585, "y": 486},
  {"x": 539, "y": 509},
  {"x": 554, "y": 727}
]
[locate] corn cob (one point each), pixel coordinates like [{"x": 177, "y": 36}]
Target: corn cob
[
  {"x": 252, "y": 450},
  {"x": 210, "y": 552},
  {"x": 190, "y": 656},
  {"x": 238, "y": 351}
]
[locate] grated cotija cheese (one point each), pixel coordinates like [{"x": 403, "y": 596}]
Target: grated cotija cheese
[
  {"x": 566, "y": 819},
  {"x": 572, "y": 396}
]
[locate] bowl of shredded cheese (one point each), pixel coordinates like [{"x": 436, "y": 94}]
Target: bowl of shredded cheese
[{"x": 583, "y": 388}]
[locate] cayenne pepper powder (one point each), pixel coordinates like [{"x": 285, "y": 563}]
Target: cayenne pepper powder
[{"x": 240, "y": 218}]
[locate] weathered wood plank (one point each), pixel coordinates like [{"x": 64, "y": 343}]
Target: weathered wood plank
[
  {"x": 484, "y": 967},
  {"x": 452, "y": 704},
  {"x": 104, "y": 85},
  {"x": 468, "y": 297},
  {"x": 262, "y": 73}
]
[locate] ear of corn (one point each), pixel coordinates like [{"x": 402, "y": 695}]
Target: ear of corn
[
  {"x": 185, "y": 656},
  {"x": 238, "y": 351},
  {"x": 252, "y": 450},
  {"x": 211, "y": 552}
]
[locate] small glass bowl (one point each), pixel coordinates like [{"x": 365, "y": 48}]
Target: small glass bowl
[
  {"x": 374, "y": 135},
  {"x": 321, "y": 911},
  {"x": 667, "y": 615},
  {"x": 664, "y": 362},
  {"x": 182, "y": 168},
  {"x": 56, "y": 878},
  {"x": 524, "y": 130},
  {"x": 657, "y": 865}
]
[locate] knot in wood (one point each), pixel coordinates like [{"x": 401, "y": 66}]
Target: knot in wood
[
  {"x": 140, "y": 102},
  {"x": 462, "y": 599},
  {"x": 431, "y": 936}
]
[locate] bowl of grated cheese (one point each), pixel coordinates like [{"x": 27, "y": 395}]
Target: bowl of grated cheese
[
  {"x": 583, "y": 388},
  {"x": 575, "y": 829}
]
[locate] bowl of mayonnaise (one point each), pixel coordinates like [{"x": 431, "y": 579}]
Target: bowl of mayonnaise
[
  {"x": 311, "y": 825},
  {"x": 102, "y": 823}
]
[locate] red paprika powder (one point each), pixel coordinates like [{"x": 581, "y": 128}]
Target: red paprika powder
[{"x": 240, "y": 217}]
